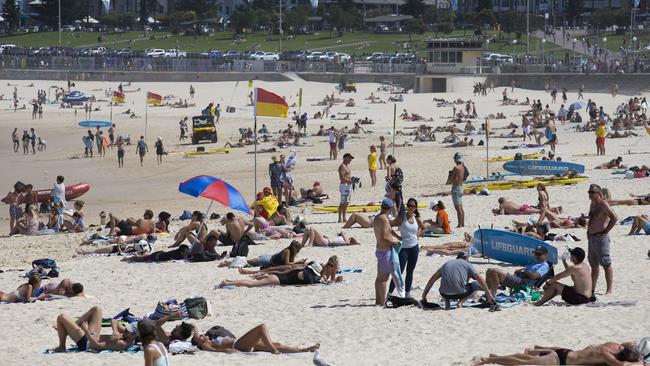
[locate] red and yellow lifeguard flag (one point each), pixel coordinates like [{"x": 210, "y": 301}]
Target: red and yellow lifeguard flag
[
  {"x": 270, "y": 104},
  {"x": 118, "y": 97},
  {"x": 153, "y": 98}
]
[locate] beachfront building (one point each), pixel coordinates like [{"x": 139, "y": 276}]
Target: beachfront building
[{"x": 453, "y": 55}]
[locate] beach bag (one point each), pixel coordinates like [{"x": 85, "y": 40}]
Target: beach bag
[
  {"x": 466, "y": 175},
  {"x": 219, "y": 331},
  {"x": 168, "y": 307},
  {"x": 186, "y": 215},
  {"x": 240, "y": 249},
  {"x": 197, "y": 307},
  {"x": 44, "y": 263},
  {"x": 396, "y": 302}
]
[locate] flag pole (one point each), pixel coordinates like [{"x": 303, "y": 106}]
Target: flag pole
[
  {"x": 112, "y": 110},
  {"x": 394, "y": 125},
  {"x": 146, "y": 117},
  {"x": 487, "y": 148},
  {"x": 255, "y": 139}
]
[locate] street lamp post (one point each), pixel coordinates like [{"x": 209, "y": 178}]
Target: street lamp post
[
  {"x": 60, "y": 43},
  {"x": 574, "y": 43},
  {"x": 527, "y": 27},
  {"x": 543, "y": 43},
  {"x": 605, "y": 52},
  {"x": 514, "y": 46}
]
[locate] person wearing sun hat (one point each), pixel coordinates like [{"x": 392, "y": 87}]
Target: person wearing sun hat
[
  {"x": 275, "y": 172},
  {"x": 580, "y": 292}
]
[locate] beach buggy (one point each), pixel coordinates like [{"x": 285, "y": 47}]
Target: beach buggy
[{"x": 203, "y": 128}]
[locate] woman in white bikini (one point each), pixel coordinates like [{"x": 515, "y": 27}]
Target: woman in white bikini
[
  {"x": 23, "y": 293},
  {"x": 311, "y": 236}
]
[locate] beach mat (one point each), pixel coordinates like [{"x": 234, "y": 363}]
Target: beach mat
[{"x": 133, "y": 350}]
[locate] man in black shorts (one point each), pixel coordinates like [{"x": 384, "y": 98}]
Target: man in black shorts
[
  {"x": 580, "y": 273},
  {"x": 85, "y": 331}
]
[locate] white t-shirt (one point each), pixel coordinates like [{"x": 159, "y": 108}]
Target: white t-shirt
[
  {"x": 332, "y": 136},
  {"x": 58, "y": 194},
  {"x": 409, "y": 232}
]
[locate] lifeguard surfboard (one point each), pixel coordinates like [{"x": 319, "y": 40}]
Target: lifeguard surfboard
[
  {"x": 95, "y": 124},
  {"x": 541, "y": 167},
  {"x": 509, "y": 247}
]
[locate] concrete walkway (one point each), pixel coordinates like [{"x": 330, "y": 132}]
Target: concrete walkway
[{"x": 579, "y": 46}]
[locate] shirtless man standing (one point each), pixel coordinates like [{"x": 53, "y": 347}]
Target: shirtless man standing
[
  {"x": 610, "y": 353},
  {"x": 577, "y": 294},
  {"x": 385, "y": 243},
  {"x": 85, "y": 331},
  {"x": 15, "y": 139},
  {"x": 601, "y": 220},
  {"x": 131, "y": 226},
  {"x": 13, "y": 199},
  {"x": 456, "y": 179},
  {"x": 345, "y": 186}
]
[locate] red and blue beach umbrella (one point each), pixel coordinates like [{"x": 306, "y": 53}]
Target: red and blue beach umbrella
[{"x": 216, "y": 190}]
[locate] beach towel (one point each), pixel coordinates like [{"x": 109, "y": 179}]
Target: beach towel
[
  {"x": 351, "y": 270},
  {"x": 177, "y": 347},
  {"x": 165, "y": 308},
  {"x": 397, "y": 272},
  {"x": 133, "y": 349},
  {"x": 597, "y": 304}
]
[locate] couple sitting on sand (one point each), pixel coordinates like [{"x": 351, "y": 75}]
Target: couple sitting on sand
[{"x": 85, "y": 331}]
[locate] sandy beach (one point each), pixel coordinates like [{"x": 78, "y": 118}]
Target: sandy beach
[{"x": 341, "y": 317}]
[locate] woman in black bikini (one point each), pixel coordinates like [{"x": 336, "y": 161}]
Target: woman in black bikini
[
  {"x": 310, "y": 274},
  {"x": 255, "y": 340},
  {"x": 283, "y": 257},
  {"x": 182, "y": 252}
]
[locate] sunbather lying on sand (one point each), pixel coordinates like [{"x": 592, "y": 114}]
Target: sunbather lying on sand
[
  {"x": 24, "y": 292},
  {"x": 332, "y": 261},
  {"x": 311, "y": 274},
  {"x": 255, "y": 340},
  {"x": 311, "y": 236},
  {"x": 85, "y": 331},
  {"x": 364, "y": 221},
  {"x": 271, "y": 232},
  {"x": 631, "y": 202},
  {"x": 64, "y": 288},
  {"x": 451, "y": 248},
  {"x": 182, "y": 252},
  {"x": 614, "y": 163},
  {"x": 507, "y": 207},
  {"x": 609, "y": 353},
  {"x": 557, "y": 222},
  {"x": 283, "y": 257}
]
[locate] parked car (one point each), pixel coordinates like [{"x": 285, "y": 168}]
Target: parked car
[
  {"x": 344, "y": 57},
  {"x": 6, "y": 48},
  {"x": 97, "y": 51},
  {"x": 216, "y": 54},
  {"x": 270, "y": 56},
  {"x": 373, "y": 56},
  {"x": 125, "y": 52},
  {"x": 175, "y": 53},
  {"x": 329, "y": 56},
  {"x": 302, "y": 55},
  {"x": 315, "y": 56},
  {"x": 505, "y": 59},
  {"x": 256, "y": 55},
  {"x": 69, "y": 28},
  {"x": 156, "y": 52},
  {"x": 232, "y": 55}
]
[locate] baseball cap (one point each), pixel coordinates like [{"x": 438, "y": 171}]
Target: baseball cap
[
  {"x": 387, "y": 203},
  {"x": 348, "y": 156},
  {"x": 316, "y": 183},
  {"x": 267, "y": 189},
  {"x": 577, "y": 252},
  {"x": 458, "y": 156},
  {"x": 541, "y": 249},
  {"x": 462, "y": 255}
]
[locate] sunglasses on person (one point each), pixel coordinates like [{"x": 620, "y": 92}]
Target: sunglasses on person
[
  {"x": 593, "y": 192},
  {"x": 411, "y": 206}
]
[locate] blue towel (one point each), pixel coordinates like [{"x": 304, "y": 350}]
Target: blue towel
[
  {"x": 75, "y": 349},
  {"x": 397, "y": 272}
]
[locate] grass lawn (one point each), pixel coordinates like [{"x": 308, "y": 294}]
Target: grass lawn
[{"x": 351, "y": 42}]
